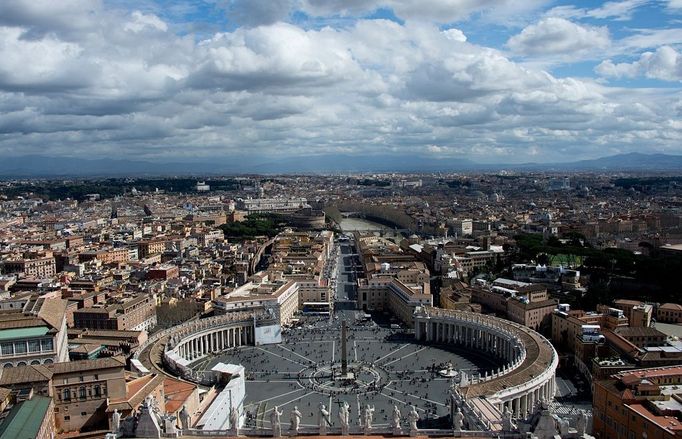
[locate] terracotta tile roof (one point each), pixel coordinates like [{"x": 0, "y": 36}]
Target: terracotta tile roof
[
  {"x": 650, "y": 373},
  {"x": 137, "y": 384},
  {"x": 627, "y": 302},
  {"x": 635, "y": 331},
  {"x": 136, "y": 391},
  {"x": 665, "y": 422},
  {"x": 83, "y": 365},
  {"x": 620, "y": 343},
  {"x": 671, "y": 306},
  {"x": 21, "y": 321},
  {"x": 25, "y": 374},
  {"x": 52, "y": 311},
  {"x": 177, "y": 392}
]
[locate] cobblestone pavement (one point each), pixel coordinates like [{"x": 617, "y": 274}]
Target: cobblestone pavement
[{"x": 408, "y": 372}]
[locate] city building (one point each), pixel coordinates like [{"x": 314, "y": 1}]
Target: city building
[
  {"x": 521, "y": 302},
  {"x": 280, "y": 297},
  {"x": 131, "y": 312},
  {"x": 641, "y": 403},
  {"x": 271, "y": 205},
  {"x": 669, "y": 313},
  {"x": 37, "y": 268},
  {"x": 31, "y": 418},
  {"x": 81, "y": 390},
  {"x": 34, "y": 332},
  {"x": 390, "y": 294}
]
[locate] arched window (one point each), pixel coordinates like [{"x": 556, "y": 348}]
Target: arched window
[
  {"x": 98, "y": 390},
  {"x": 81, "y": 393},
  {"x": 67, "y": 395}
]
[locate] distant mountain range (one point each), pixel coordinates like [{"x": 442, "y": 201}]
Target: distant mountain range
[{"x": 44, "y": 166}]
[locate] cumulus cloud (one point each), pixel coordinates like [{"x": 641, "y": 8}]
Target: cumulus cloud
[
  {"x": 650, "y": 38},
  {"x": 618, "y": 10},
  {"x": 558, "y": 36},
  {"x": 139, "y": 22},
  {"x": 80, "y": 77},
  {"x": 664, "y": 64},
  {"x": 441, "y": 11},
  {"x": 674, "y": 5}
]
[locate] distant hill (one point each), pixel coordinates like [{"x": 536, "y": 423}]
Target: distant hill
[
  {"x": 631, "y": 161},
  {"x": 44, "y": 166},
  {"x": 363, "y": 163}
]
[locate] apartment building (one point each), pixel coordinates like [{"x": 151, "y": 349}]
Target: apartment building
[
  {"x": 381, "y": 293},
  {"x": 638, "y": 313},
  {"x": 107, "y": 256},
  {"x": 34, "y": 332},
  {"x": 37, "y": 268},
  {"x": 281, "y": 297},
  {"x": 639, "y": 404},
  {"x": 150, "y": 248},
  {"x": 81, "y": 390},
  {"x": 669, "y": 313},
  {"x": 132, "y": 312},
  {"x": 520, "y": 302}
]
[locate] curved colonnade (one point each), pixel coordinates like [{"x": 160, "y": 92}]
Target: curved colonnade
[
  {"x": 529, "y": 359},
  {"x": 191, "y": 341},
  {"x": 525, "y": 378}
]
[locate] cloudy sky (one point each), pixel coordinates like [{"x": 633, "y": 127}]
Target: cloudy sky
[{"x": 491, "y": 80}]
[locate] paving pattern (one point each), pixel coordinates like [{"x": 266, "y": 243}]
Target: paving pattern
[{"x": 391, "y": 369}]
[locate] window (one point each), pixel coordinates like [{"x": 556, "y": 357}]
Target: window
[
  {"x": 98, "y": 391},
  {"x": 47, "y": 344},
  {"x": 67, "y": 395},
  {"x": 81, "y": 393},
  {"x": 34, "y": 345},
  {"x": 20, "y": 347},
  {"x": 67, "y": 418},
  {"x": 83, "y": 413},
  {"x": 7, "y": 348}
]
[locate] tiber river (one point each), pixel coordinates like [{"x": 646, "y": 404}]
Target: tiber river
[{"x": 359, "y": 224}]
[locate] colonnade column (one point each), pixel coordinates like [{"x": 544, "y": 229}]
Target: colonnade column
[{"x": 531, "y": 400}]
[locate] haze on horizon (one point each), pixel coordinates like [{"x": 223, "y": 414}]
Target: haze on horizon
[{"x": 492, "y": 81}]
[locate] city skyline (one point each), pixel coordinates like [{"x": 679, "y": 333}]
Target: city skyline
[{"x": 495, "y": 82}]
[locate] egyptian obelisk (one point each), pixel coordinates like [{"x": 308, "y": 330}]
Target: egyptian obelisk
[{"x": 344, "y": 357}]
